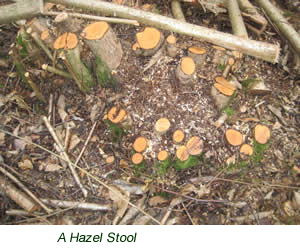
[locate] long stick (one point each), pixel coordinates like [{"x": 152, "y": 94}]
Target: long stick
[
  {"x": 282, "y": 24},
  {"x": 98, "y": 18},
  {"x": 262, "y": 50},
  {"x": 25, "y": 189},
  {"x": 22, "y": 9},
  {"x": 73, "y": 171}
]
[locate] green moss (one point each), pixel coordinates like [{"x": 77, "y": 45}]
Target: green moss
[
  {"x": 246, "y": 83},
  {"x": 116, "y": 131},
  {"x": 103, "y": 74},
  {"x": 162, "y": 167},
  {"x": 221, "y": 67},
  {"x": 190, "y": 162},
  {"x": 22, "y": 48},
  {"x": 229, "y": 111},
  {"x": 258, "y": 151}
]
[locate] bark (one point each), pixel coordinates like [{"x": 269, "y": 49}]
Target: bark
[
  {"x": 262, "y": 50},
  {"x": 281, "y": 23},
  {"x": 17, "y": 196},
  {"x": 237, "y": 23},
  {"x": 22, "y": 9},
  {"x": 177, "y": 11}
]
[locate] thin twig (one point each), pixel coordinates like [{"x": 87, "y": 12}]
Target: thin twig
[
  {"x": 97, "y": 18},
  {"x": 77, "y": 204},
  {"x": 86, "y": 143},
  {"x": 70, "y": 164},
  {"x": 50, "y": 107},
  {"x": 25, "y": 189}
]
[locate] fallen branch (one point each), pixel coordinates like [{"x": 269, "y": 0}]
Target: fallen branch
[
  {"x": 70, "y": 164},
  {"x": 22, "y": 9},
  {"x": 281, "y": 23},
  {"x": 262, "y": 50},
  {"x": 77, "y": 204},
  {"x": 251, "y": 13},
  {"x": 25, "y": 189},
  {"x": 237, "y": 23},
  {"x": 22, "y": 199}
]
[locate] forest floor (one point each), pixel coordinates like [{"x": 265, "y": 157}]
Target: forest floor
[{"x": 265, "y": 189}]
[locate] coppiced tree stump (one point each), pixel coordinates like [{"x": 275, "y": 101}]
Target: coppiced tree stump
[
  {"x": 198, "y": 54},
  {"x": 246, "y": 150},
  {"x": 178, "y": 136},
  {"x": 104, "y": 44},
  {"x": 224, "y": 86},
  {"x": 140, "y": 144},
  {"x": 68, "y": 42},
  {"x": 262, "y": 134},
  {"x": 119, "y": 116},
  {"x": 148, "y": 41},
  {"x": 194, "y": 146},
  {"x": 162, "y": 126},
  {"x": 182, "y": 153},
  {"x": 162, "y": 155},
  {"x": 234, "y": 137},
  {"x": 171, "y": 46},
  {"x": 137, "y": 159},
  {"x": 185, "y": 70}
]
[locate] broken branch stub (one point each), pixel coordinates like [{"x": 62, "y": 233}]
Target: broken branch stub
[
  {"x": 148, "y": 41},
  {"x": 171, "y": 46},
  {"x": 103, "y": 42}
]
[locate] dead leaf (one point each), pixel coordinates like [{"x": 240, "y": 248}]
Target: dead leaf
[
  {"x": 75, "y": 140},
  {"x": 50, "y": 167},
  {"x": 120, "y": 199},
  {"x": 25, "y": 164},
  {"x": 19, "y": 144},
  {"x": 157, "y": 200}
]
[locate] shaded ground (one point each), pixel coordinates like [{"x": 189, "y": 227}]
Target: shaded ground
[{"x": 262, "y": 192}]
